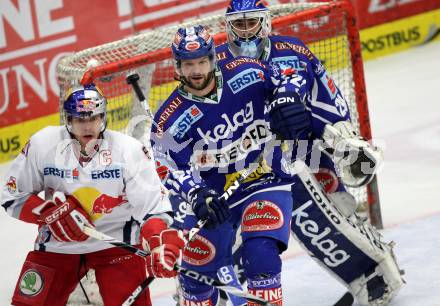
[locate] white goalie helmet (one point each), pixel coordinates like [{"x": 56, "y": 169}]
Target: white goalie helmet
[{"x": 248, "y": 26}]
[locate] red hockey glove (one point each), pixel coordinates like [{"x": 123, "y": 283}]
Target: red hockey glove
[
  {"x": 166, "y": 246},
  {"x": 64, "y": 219}
]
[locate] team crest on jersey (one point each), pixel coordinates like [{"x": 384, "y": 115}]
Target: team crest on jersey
[
  {"x": 11, "y": 184},
  {"x": 104, "y": 204},
  {"x": 31, "y": 283},
  {"x": 185, "y": 121},
  {"x": 199, "y": 252},
  {"x": 327, "y": 179},
  {"x": 261, "y": 216},
  {"x": 245, "y": 78}
]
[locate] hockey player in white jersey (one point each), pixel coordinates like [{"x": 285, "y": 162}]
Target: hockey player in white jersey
[
  {"x": 248, "y": 32},
  {"x": 106, "y": 179}
]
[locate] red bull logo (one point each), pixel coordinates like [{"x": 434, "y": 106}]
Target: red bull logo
[
  {"x": 104, "y": 204},
  {"x": 12, "y": 184},
  {"x": 85, "y": 106}
]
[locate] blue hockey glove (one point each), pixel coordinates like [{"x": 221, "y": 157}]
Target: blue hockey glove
[
  {"x": 288, "y": 117},
  {"x": 207, "y": 205}
]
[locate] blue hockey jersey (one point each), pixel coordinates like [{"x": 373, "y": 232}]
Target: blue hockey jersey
[
  {"x": 329, "y": 105},
  {"x": 205, "y": 141}
]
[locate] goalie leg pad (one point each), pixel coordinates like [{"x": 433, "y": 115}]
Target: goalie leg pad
[{"x": 349, "y": 248}]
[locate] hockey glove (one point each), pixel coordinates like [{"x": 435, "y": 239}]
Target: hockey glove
[
  {"x": 64, "y": 219},
  {"x": 288, "y": 117},
  {"x": 357, "y": 159},
  {"x": 208, "y": 206},
  {"x": 166, "y": 247}
]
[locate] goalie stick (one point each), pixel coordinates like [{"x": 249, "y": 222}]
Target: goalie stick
[
  {"x": 92, "y": 232},
  {"x": 346, "y": 300}
]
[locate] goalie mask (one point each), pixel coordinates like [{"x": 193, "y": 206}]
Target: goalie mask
[
  {"x": 191, "y": 44},
  {"x": 248, "y": 27},
  {"x": 82, "y": 102}
]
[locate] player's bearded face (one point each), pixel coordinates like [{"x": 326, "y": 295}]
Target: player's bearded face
[
  {"x": 196, "y": 73},
  {"x": 86, "y": 129}
]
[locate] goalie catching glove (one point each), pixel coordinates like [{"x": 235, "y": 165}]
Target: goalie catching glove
[
  {"x": 63, "y": 218},
  {"x": 165, "y": 245},
  {"x": 357, "y": 159}
]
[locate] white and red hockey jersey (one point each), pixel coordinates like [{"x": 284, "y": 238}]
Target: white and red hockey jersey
[{"x": 118, "y": 187}]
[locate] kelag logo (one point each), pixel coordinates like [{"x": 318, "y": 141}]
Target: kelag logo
[
  {"x": 244, "y": 79},
  {"x": 184, "y": 122}
]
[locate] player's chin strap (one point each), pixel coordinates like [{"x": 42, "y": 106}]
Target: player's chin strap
[{"x": 92, "y": 232}]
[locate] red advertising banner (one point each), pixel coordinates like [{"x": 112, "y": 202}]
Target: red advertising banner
[
  {"x": 35, "y": 34},
  {"x": 374, "y": 12}
]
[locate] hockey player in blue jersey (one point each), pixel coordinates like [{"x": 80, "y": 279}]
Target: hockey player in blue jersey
[
  {"x": 218, "y": 112},
  {"x": 219, "y": 119},
  {"x": 248, "y": 32}
]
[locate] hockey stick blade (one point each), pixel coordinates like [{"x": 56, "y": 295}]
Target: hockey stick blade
[{"x": 346, "y": 300}]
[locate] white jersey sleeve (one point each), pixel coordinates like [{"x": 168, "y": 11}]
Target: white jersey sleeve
[
  {"x": 24, "y": 179},
  {"x": 144, "y": 189}
]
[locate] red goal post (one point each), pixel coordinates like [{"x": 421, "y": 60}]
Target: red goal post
[{"x": 328, "y": 28}]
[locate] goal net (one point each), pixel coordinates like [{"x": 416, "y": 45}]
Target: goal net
[{"x": 328, "y": 28}]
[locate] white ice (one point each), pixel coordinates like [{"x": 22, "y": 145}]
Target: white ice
[{"x": 405, "y": 114}]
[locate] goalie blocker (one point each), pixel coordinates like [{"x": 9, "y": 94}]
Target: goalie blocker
[{"x": 347, "y": 247}]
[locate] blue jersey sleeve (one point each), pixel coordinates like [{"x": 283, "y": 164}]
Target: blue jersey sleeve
[
  {"x": 310, "y": 79},
  {"x": 173, "y": 153}
]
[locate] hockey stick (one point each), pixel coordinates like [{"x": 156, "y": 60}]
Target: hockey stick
[
  {"x": 259, "y": 162},
  {"x": 132, "y": 80},
  {"x": 210, "y": 281}
]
